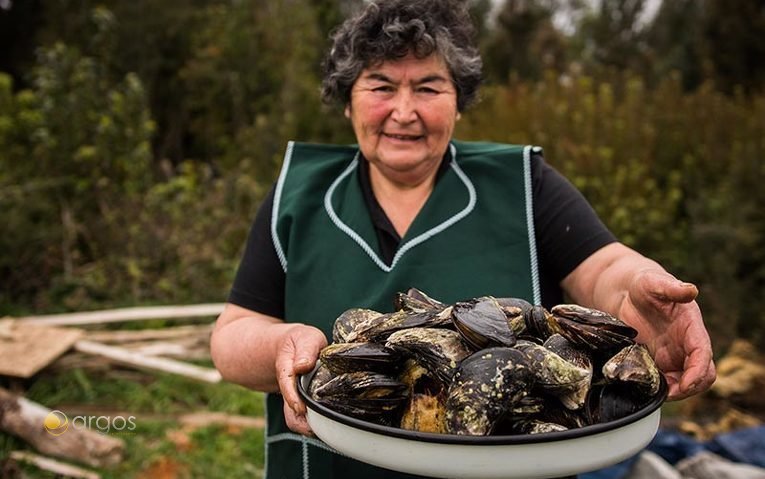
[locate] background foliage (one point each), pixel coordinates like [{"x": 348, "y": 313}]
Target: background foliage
[{"x": 138, "y": 138}]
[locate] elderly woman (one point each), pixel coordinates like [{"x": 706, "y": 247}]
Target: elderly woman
[{"x": 348, "y": 226}]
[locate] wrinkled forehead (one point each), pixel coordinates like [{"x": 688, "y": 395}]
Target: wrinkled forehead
[{"x": 431, "y": 66}]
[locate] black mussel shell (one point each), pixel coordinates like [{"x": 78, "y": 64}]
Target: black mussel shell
[
  {"x": 592, "y": 329},
  {"x": 380, "y": 328},
  {"x": 540, "y": 323},
  {"x": 635, "y": 365},
  {"x": 486, "y": 386},
  {"x": 351, "y": 319},
  {"x": 362, "y": 394},
  {"x": 349, "y": 357},
  {"x": 610, "y": 402},
  {"x": 438, "y": 350},
  {"x": 482, "y": 323},
  {"x": 416, "y": 301}
]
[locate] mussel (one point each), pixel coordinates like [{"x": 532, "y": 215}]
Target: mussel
[
  {"x": 581, "y": 358},
  {"x": 362, "y": 394},
  {"x": 556, "y": 375},
  {"x": 482, "y": 323},
  {"x": 349, "y": 357},
  {"x": 350, "y": 320},
  {"x": 634, "y": 365},
  {"x": 440, "y": 351},
  {"x": 487, "y": 385},
  {"x": 592, "y": 329},
  {"x": 379, "y": 328},
  {"x": 415, "y": 301}
]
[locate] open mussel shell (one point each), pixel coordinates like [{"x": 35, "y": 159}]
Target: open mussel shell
[
  {"x": 482, "y": 323},
  {"x": 362, "y": 394},
  {"x": 416, "y": 301},
  {"x": 592, "y": 329},
  {"x": 515, "y": 310},
  {"x": 634, "y": 365},
  {"x": 426, "y": 409},
  {"x": 349, "y": 357},
  {"x": 556, "y": 375},
  {"x": 438, "y": 350},
  {"x": 576, "y": 398},
  {"x": 424, "y": 413}
]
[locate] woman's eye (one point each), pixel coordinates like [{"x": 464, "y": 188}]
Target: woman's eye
[
  {"x": 383, "y": 89},
  {"x": 426, "y": 89}
]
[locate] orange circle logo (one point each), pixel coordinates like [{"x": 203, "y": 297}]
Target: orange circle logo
[{"x": 56, "y": 423}]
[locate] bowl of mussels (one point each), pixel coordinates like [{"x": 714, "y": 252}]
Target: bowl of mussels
[{"x": 484, "y": 388}]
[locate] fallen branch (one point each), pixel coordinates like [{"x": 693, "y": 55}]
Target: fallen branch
[
  {"x": 203, "y": 330},
  {"x": 28, "y": 420},
  {"x": 52, "y": 465},
  {"x": 206, "y": 418},
  {"x": 125, "y": 314},
  {"x": 142, "y": 361}
]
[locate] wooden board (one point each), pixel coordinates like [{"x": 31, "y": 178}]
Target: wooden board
[
  {"x": 125, "y": 314},
  {"x": 26, "y": 349}
]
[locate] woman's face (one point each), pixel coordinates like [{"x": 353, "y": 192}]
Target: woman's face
[{"x": 403, "y": 114}]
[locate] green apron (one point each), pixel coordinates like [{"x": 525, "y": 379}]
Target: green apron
[{"x": 474, "y": 236}]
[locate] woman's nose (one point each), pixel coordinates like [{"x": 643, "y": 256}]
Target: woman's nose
[{"x": 404, "y": 107}]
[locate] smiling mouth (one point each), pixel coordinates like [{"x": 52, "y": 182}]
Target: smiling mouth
[{"x": 404, "y": 137}]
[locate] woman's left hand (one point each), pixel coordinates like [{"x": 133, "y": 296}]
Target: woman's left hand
[{"x": 664, "y": 311}]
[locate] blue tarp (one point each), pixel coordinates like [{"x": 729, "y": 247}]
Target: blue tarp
[{"x": 745, "y": 446}]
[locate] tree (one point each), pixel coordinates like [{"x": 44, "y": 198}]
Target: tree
[
  {"x": 524, "y": 41},
  {"x": 734, "y": 43},
  {"x": 674, "y": 40},
  {"x": 612, "y": 36}
]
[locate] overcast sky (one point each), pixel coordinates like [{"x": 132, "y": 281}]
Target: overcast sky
[{"x": 565, "y": 22}]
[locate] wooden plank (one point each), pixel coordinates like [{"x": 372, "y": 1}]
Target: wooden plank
[
  {"x": 153, "y": 363},
  {"x": 210, "y": 418},
  {"x": 125, "y": 314},
  {"x": 202, "y": 330},
  {"x": 26, "y": 349},
  {"x": 51, "y": 465}
]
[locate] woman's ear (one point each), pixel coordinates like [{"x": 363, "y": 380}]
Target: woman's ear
[
  {"x": 347, "y": 111},
  {"x": 459, "y": 115}
]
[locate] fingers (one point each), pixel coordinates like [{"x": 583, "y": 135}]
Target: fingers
[
  {"x": 666, "y": 288},
  {"x": 296, "y": 422},
  {"x": 697, "y": 377},
  {"x": 297, "y": 355},
  {"x": 698, "y": 369}
]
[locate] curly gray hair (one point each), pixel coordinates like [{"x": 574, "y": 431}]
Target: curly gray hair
[{"x": 392, "y": 29}]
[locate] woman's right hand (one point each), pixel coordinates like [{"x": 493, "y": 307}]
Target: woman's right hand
[
  {"x": 296, "y": 354},
  {"x": 266, "y": 354}
]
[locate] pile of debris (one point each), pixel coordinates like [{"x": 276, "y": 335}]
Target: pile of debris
[
  {"x": 735, "y": 400},
  {"x": 60, "y": 342}
]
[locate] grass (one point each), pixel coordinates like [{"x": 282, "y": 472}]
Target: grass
[{"x": 159, "y": 446}]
